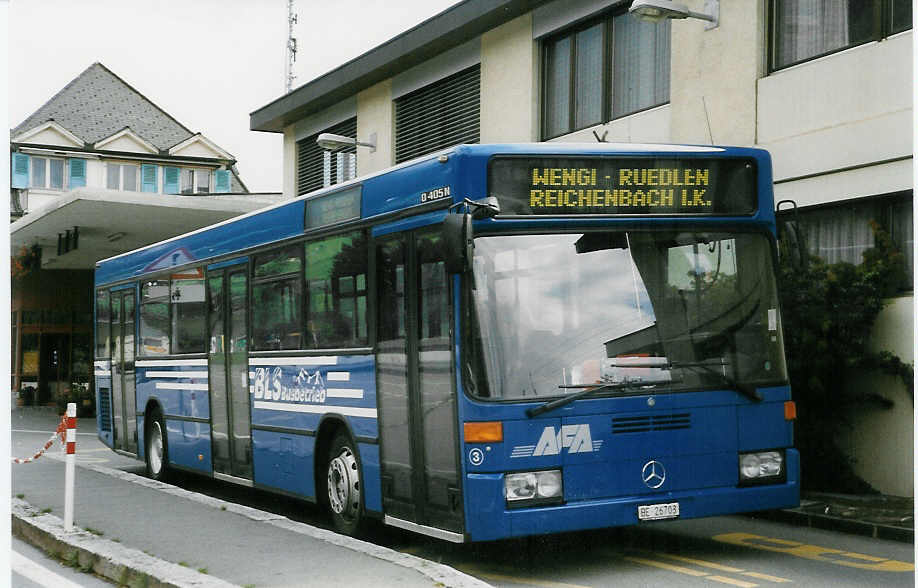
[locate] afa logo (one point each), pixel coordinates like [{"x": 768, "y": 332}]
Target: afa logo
[{"x": 574, "y": 438}]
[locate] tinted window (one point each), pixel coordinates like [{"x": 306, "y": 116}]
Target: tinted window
[
  {"x": 154, "y": 318},
  {"x": 336, "y": 290}
]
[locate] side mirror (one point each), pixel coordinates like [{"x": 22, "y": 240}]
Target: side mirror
[
  {"x": 458, "y": 242},
  {"x": 791, "y": 240}
]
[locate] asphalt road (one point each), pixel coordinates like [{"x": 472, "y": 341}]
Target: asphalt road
[{"x": 737, "y": 551}]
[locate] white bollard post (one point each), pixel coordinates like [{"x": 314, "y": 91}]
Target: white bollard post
[{"x": 70, "y": 467}]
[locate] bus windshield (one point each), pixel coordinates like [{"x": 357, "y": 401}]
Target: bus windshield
[{"x": 631, "y": 311}]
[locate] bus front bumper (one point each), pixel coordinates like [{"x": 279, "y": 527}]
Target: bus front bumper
[{"x": 488, "y": 518}]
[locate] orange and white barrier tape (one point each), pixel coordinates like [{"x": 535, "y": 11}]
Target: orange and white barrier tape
[
  {"x": 58, "y": 434},
  {"x": 66, "y": 432}
]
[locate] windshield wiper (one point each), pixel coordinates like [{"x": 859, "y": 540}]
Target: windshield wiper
[
  {"x": 746, "y": 390},
  {"x": 588, "y": 389}
]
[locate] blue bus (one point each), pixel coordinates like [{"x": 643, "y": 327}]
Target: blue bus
[{"x": 491, "y": 341}]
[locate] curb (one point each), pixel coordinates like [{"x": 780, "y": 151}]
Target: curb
[
  {"x": 830, "y": 523},
  {"x": 438, "y": 573},
  {"x": 122, "y": 565}
]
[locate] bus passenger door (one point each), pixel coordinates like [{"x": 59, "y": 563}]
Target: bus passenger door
[
  {"x": 231, "y": 440},
  {"x": 124, "y": 411},
  {"x": 415, "y": 383}
]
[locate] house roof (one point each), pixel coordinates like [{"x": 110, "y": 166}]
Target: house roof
[
  {"x": 452, "y": 27},
  {"x": 98, "y": 104}
]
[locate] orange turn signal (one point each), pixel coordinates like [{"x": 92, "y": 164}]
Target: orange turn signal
[
  {"x": 488, "y": 432},
  {"x": 790, "y": 410}
]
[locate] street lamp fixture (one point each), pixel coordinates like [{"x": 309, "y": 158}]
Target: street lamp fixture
[
  {"x": 331, "y": 141},
  {"x": 657, "y": 10}
]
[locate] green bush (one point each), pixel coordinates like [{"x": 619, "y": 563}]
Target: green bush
[{"x": 828, "y": 312}]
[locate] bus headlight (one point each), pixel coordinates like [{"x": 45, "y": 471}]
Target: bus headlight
[
  {"x": 528, "y": 488},
  {"x": 761, "y": 466}
]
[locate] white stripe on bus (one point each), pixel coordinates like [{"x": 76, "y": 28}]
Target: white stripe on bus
[
  {"x": 319, "y": 360},
  {"x": 179, "y": 386},
  {"x": 176, "y": 374},
  {"x": 338, "y": 376},
  {"x": 104, "y": 373},
  {"x": 168, "y": 362},
  {"x": 317, "y": 408},
  {"x": 344, "y": 393}
]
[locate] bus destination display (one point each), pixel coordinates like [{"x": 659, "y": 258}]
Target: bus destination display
[{"x": 623, "y": 186}]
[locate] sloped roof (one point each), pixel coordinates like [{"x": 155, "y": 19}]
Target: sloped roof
[{"x": 97, "y": 104}]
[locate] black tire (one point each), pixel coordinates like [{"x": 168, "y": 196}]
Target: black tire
[
  {"x": 342, "y": 486},
  {"x": 156, "y": 448}
]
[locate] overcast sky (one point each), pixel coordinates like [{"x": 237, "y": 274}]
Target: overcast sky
[{"x": 208, "y": 63}]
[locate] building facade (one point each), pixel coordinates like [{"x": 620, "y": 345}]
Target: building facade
[
  {"x": 826, "y": 87},
  {"x": 97, "y": 170}
]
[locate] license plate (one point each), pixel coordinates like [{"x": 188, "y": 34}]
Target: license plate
[{"x": 656, "y": 512}]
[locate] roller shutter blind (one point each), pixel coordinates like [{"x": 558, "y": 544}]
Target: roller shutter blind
[
  {"x": 440, "y": 115},
  {"x": 310, "y": 158}
]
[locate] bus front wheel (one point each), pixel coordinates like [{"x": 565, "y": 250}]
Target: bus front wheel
[
  {"x": 156, "y": 450},
  {"x": 343, "y": 486}
]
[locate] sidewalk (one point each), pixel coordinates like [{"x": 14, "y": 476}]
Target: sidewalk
[
  {"x": 874, "y": 515},
  {"x": 137, "y": 531}
]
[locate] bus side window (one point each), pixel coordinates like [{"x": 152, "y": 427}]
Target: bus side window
[
  {"x": 277, "y": 300},
  {"x": 336, "y": 291}
]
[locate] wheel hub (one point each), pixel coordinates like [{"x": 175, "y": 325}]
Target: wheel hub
[
  {"x": 156, "y": 448},
  {"x": 344, "y": 484}
]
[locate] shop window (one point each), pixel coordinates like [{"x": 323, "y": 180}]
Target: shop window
[
  {"x": 336, "y": 291},
  {"x": 608, "y": 68},
  {"x": 805, "y": 29}
]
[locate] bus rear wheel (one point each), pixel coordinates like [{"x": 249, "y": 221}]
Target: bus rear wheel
[
  {"x": 343, "y": 486},
  {"x": 156, "y": 450}
]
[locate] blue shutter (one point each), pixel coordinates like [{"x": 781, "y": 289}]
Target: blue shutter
[
  {"x": 222, "y": 177},
  {"x": 148, "y": 178},
  {"x": 20, "y": 175},
  {"x": 171, "y": 180},
  {"x": 77, "y": 173}
]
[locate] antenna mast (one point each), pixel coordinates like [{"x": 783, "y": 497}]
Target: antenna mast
[{"x": 291, "y": 46}]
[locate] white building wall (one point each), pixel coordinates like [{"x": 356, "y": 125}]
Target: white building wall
[
  {"x": 376, "y": 114},
  {"x": 713, "y": 75},
  {"x": 881, "y": 439},
  {"x": 509, "y": 83},
  {"x": 851, "y": 109}
]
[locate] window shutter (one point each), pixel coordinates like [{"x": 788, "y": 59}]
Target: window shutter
[
  {"x": 222, "y": 180},
  {"x": 20, "y": 174},
  {"x": 148, "y": 178},
  {"x": 443, "y": 114},
  {"x": 171, "y": 177},
  {"x": 77, "y": 173},
  {"x": 310, "y": 158}
]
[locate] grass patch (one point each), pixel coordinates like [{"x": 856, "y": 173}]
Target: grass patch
[
  {"x": 202, "y": 570},
  {"x": 94, "y": 531},
  {"x": 46, "y": 510},
  {"x": 20, "y": 496}
]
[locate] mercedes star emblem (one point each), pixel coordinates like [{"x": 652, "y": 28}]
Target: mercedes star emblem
[{"x": 653, "y": 474}]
